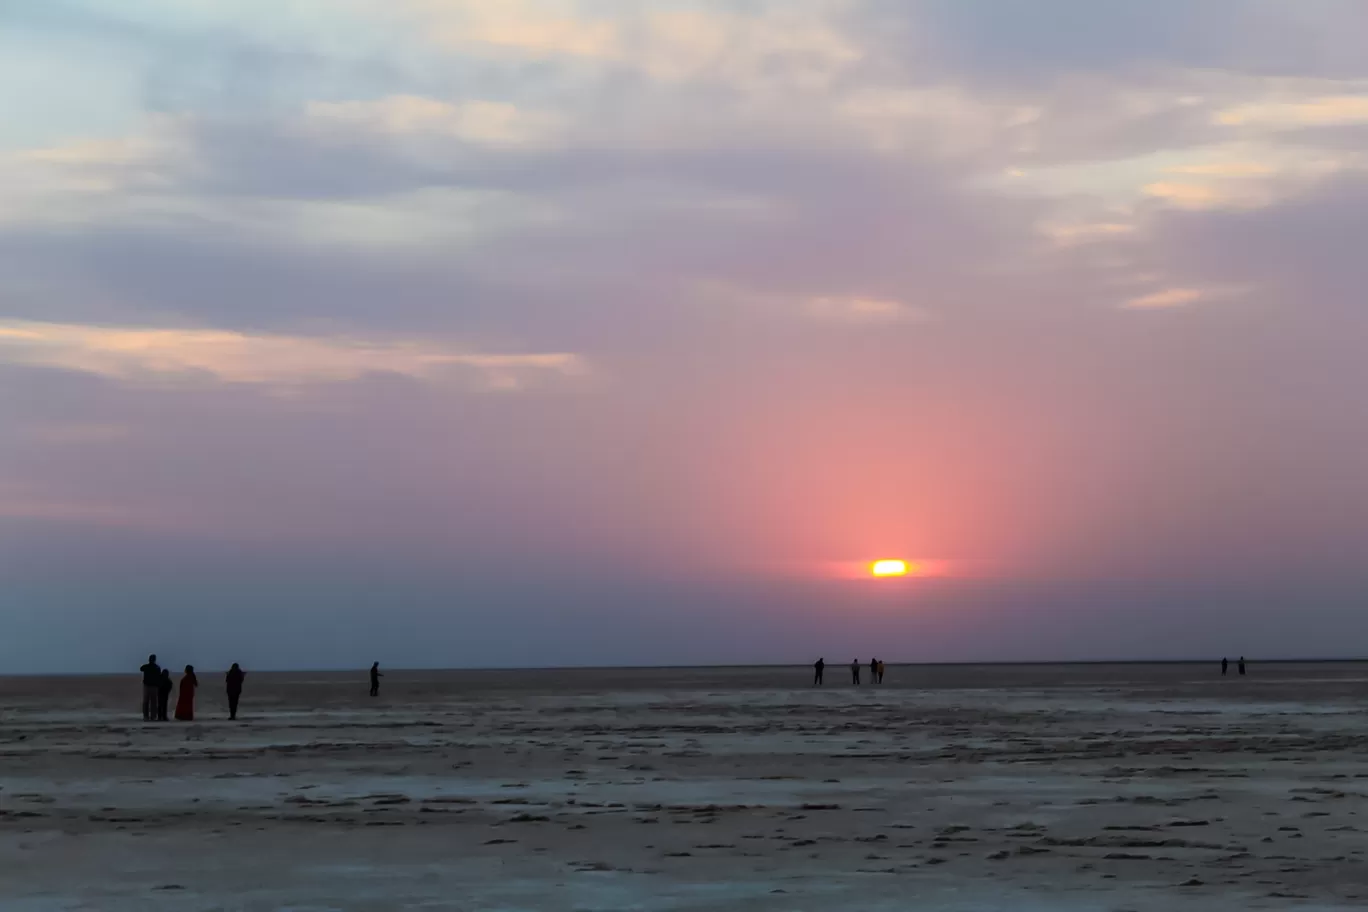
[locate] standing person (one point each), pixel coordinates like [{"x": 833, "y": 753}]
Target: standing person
[
  {"x": 1242, "y": 665},
  {"x": 819, "y": 666},
  {"x": 855, "y": 671},
  {"x": 375, "y": 676},
  {"x": 880, "y": 670},
  {"x": 185, "y": 703},
  {"x": 151, "y": 673},
  {"x": 1225, "y": 666},
  {"x": 234, "y": 678},
  {"x": 873, "y": 671},
  {"x": 164, "y": 689}
]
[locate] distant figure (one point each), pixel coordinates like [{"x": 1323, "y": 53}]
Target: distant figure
[
  {"x": 880, "y": 670},
  {"x": 164, "y": 688},
  {"x": 819, "y": 666},
  {"x": 151, "y": 673},
  {"x": 855, "y": 671},
  {"x": 185, "y": 703},
  {"x": 1242, "y": 665},
  {"x": 873, "y": 671},
  {"x": 375, "y": 679},
  {"x": 1225, "y": 666},
  {"x": 234, "y": 677}
]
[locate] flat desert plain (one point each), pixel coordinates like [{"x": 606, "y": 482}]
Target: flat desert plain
[{"x": 1085, "y": 787}]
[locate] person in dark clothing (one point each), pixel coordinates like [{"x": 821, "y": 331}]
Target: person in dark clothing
[
  {"x": 1225, "y": 667},
  {"x": 151, "y": 673},
  {"x": 164, "y": 689},
  {"x": 234, "y": 678},
  {"x": 375, "y": 677},
  {"x": 185, "y": 703},
  {"x": 855, "y": 671},
  {"x": 873, "y": 671},
  {"x": 1242, "y": 665},
  {"x": 819, "y": 666}
]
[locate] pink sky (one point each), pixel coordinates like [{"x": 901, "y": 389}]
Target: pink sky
[{"x": 568, "y": 332}]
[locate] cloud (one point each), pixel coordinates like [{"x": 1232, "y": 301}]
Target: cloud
[
  {"x": 863, "y": 310},
  {"x": 260, "y": 181},
  {"x": 84, "y": 179},
  {"x": 812, "y": 310},
  {"x": 1072, "y": 234},
  {"x": 124, "y": 353},
  {"x": 1181, "y": 297},
  {"x": 1237, "y": 175},
  {"x": 1169, "y": 297},
  {"x": 790, "y": 42},
  {"x": 1326, "y": 111},
  {"x": 941, "y": 120},
  {"x": 494, "y": 123},
  {"x": 1013, "y": 43},
  {"x": 1188, "y": 195},
  {"x": 1281, "y": 173},
  {"x": 534, "y": 28},
  {"x": 1226, "y": 169},
  {"x": 154, "y": 155}
]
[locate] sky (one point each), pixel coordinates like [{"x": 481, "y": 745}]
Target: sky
[{"x": 576, "y": 332}]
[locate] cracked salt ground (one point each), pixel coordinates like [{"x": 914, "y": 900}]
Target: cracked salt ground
[{"x": 1133, "y": 787}]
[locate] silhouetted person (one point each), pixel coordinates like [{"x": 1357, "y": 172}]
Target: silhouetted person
[
  {"x": 818, "y": 667},
  {"x": 151, "y": 673},
  {"x": 881, "y": 670},
  {"x": 1242, "y": 665},
  {"x": 164, "y": 688},
  {"x": 855, "y": 671},
  {"x": 873, "y": 671},
  {"x": 234, "y": 678},
  {"x": 1225, "y": 667},
  {"x": 375, "y": 676},
  {"x": 185, "y": 703}
]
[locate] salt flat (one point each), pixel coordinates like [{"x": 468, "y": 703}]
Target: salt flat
[{"x": 1123, "y": 787}]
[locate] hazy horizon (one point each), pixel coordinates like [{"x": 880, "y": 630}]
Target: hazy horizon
[
  {"x": 803, "y": 680},
  {"x": 537, "y": 332}
]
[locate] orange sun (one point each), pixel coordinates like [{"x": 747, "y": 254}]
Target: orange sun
[{"x": 888, "y": 568}]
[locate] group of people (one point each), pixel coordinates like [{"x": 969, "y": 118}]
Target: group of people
[
  {"x": 876, "y": 671},
  {"x": 157, "y": 687}
]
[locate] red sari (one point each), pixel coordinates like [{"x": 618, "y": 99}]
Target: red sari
[{"x": 185, "y": 704}]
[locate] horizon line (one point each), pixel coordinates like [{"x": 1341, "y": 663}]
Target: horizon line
[{"x": 723, "y": 666}]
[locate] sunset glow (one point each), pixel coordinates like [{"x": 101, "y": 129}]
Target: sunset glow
[{"x": 591, "y": 332}]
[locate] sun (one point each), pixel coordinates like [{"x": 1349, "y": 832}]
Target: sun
[{"x": 888, "y": 568}]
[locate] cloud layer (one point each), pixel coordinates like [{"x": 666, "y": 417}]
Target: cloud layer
[{"x": 232, "y": 357}]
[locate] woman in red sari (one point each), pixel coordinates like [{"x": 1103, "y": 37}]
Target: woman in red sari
[{"x": 185, "y": 704}]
